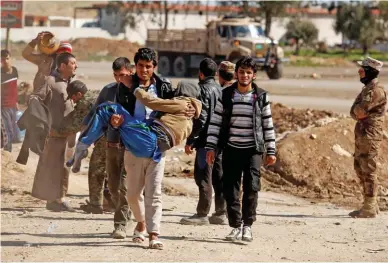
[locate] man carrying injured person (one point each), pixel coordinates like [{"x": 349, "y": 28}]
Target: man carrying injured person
[{"x": 169, "y": 124}]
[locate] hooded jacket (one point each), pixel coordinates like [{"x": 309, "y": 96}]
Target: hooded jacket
[{"x": 175, "y": 123}]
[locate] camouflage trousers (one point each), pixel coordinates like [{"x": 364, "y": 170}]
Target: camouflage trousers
[
  {"x": 97, "y": 172},
  {"x": 365, "y": 164}
]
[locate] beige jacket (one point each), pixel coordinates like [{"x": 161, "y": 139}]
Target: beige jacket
[
  {"x": 53, "y": 93},
  {"x": 174, "y": 121}
]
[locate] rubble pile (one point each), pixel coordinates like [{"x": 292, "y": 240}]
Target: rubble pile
[
  {"x": 96, "y": 48},
  {"x": 289, "y": 119},
  {"x": 318, "y": 163}
]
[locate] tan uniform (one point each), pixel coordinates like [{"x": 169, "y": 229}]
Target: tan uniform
[{"x": 369, "y": 134}]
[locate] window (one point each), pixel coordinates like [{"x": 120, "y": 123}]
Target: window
[{"x": 223, "y": 31}]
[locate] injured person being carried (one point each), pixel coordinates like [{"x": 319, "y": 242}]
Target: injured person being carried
[{"x": 169, "y": 124}]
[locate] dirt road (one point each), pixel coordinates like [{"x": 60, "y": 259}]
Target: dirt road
[{"x": 287, "y": 229}]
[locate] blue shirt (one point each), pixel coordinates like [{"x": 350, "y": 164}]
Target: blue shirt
[{"x": 142, "y": 112}]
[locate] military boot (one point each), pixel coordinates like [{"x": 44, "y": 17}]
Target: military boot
[
  {"x": 369, "y": 209},
  {"x": 108, "y": 204},
  {"x": 92, "y": 209}
]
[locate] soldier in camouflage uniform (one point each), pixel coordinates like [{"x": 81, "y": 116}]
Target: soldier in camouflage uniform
[
  {"x": 368, "y": 110},
  {"x": 85, "y": 100}
]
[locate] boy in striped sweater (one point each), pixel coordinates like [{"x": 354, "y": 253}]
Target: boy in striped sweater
[{"x": 242, "y": 126}]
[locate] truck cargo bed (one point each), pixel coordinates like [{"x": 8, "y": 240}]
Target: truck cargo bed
[{"x": 188, "y": 40}]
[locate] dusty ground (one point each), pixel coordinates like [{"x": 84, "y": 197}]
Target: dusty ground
[{"x": 284, "y": 226}]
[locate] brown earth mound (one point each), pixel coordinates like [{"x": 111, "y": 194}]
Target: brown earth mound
[
  {"x": 97, "y": 48},
  {"x": 318, "y": 163},
  {"x": 91, "y": 49},
  {"x": 289, "y": 119},
  {"x": 16, "y": 181}
]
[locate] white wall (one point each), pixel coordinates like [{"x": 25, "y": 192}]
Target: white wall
[{"x": 324, "y": 25}]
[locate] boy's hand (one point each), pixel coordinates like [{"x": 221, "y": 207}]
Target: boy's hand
[
  {"x": 188, "y": 149},
  {"x": 210, "y": 157},
  {"x": 189, "y": 110},
  {"x": 270, "y": 160}
]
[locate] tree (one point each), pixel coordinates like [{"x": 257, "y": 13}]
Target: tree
[
  {"x": 357, "y": 23},
  {"x": 265, "y": 9},
  {"x": 302, "y": 31},
  {"x": 271, "y": 10},
  {"x": 383, "y": 9}
]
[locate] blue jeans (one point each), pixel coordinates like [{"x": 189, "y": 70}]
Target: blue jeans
[{"x": 136, "y": 135}]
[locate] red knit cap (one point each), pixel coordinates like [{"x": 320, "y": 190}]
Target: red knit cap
[{"x": 64, "y": 47}]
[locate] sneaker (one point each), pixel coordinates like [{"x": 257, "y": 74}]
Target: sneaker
[
  {"x": 120, "y": 232},
  {"x": 195, "y": 220},
  {"x": 218, "y": 219},
  {"x": 247, "y": 234},
  {"x": 236, "y": 234}
]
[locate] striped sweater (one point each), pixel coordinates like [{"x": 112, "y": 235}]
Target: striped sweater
[{"x": 241, "y": 134}]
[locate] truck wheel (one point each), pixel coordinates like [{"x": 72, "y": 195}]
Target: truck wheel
[
  {"x": 180, "y": 67},
  {"x": 164, "y": 66},
  {"x": 276, "y": 72}
]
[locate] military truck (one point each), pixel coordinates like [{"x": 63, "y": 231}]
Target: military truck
[{"x": 229, "y": 38}]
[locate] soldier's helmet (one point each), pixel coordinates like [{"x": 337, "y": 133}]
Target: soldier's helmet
[{"x": 371, "y": 62}]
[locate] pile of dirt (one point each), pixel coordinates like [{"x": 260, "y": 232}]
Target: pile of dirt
[
  {"x": 101, "y": 48},
  {"x": 318, "y": 163},
  {"x": 16, "y": 181},
  {"x": 91, "y": 49},
  {"x": 287, "y": 119}
]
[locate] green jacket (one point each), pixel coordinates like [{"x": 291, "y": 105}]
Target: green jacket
[{"x": 73, "y": 121}]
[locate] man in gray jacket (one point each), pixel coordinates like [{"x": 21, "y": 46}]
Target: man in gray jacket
[{"x": 207, "y": 177}]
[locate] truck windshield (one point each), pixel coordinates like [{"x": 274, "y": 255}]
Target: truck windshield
[{"x": 247, "y": 31}]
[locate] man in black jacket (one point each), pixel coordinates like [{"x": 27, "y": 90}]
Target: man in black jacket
[
  {"x": 144, "y": 175},
  {"x": 206, "y": 176}
]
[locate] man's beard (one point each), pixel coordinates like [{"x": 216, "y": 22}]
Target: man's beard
[{"x": 245, "y": 85}]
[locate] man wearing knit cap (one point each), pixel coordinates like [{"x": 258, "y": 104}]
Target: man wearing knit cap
[
  {"x": 226, "y": 73},
  {"x": 368, "y": 110},
  {"x": 45, "y": 62},
  {"x": 64, "y": 46}
]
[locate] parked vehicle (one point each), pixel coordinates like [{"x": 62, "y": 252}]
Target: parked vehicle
[{"x": 229, "y": 38}]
